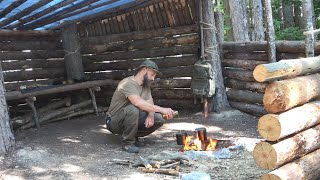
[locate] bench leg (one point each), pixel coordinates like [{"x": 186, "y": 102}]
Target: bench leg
[
  {"x": 94, "y": 102},
  {"x": 30, "y": 102}
]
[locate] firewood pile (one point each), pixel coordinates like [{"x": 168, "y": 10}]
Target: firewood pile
[
  {"x": 55, "y": 111},
  {"x": 292, "y": 128},
  {"x": 164, "y": 163}
]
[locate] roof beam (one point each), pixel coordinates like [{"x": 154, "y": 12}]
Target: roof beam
[
  {"x": 24, "y": 12},
  {"x": 45, "y": 20},
  {"x": 111, "y": 12},
  {"x": 40, "y": 14},
  {"x": 11, "y": 7},
  {"x": 31, "y": 33}
]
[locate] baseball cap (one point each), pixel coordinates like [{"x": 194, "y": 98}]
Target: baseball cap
[{"x": 150, "y": 64}]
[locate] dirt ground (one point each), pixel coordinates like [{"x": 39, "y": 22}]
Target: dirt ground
[{"x": 82, "y": 148}]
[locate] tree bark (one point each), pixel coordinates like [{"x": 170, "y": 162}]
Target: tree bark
[
  {"x": 308, "y": 16},
  {"x": 270, "y": 31},
  {"x": 228, "y": 21},
  {"x": 286, "y": 69},
  {"x": 287, "y": 11},
  {"x": 211, "y": 48},
  {"x": 7, "y": 140},
  {"x": 72, "y": 58},
  {"x": 248, "y": 108},
  {"x": 286, "y": 94},
  {"x": 273, "y": 127},
  {"x": 258, "y": 20},
  {"x": 240, "y": 28},
  {"x": 306, "y": 168},
  {"x": 244, "y": 96}
]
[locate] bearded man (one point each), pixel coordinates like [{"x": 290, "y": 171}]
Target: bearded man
[{"x": 132, "y": 113}]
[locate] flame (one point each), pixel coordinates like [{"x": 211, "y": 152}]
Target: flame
[{"x": 192, "y": 143}]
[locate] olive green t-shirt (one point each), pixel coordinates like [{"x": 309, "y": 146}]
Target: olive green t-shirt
[{"x": 127, "y": 87}]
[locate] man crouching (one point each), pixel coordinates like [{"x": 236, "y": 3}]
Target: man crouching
[{"x": 132, "y": 112}]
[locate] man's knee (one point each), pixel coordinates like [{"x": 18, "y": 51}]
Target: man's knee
[{"x": 159, "y": 120}]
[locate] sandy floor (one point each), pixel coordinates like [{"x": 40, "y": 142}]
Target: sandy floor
[{"x": 82, "y": 148}]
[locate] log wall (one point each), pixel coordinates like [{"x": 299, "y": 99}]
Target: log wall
[{"x": 240, "y": 59}]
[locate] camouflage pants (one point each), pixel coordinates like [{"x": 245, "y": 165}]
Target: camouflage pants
[{"x": 129, "y": 123}]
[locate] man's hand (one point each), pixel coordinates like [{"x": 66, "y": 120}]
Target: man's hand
[
  {"x": 167, "y": 112},
  {"x": 150, "y": 120}
]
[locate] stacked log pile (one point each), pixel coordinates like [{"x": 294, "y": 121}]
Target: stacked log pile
[
  {"x": 240, "y": 59},
  {"x": 292, "y": 127}
]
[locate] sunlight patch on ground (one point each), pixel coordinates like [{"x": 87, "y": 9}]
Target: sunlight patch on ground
[
  {"x": 139, "y": 176},
  {"x": 11, "y": 177},
  {"x": 38, "y": 169},
  {"x": 71, "y": 168},
  {"x": 63, "y": 139}
]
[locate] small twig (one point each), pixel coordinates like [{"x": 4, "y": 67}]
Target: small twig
[
  {"x": 170, "y": 165},
  {"x": 172, "y": 172}
]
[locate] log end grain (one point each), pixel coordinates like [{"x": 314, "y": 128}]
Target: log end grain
[
  {"x": 265, "y": 155},
  {"x": 260, "y": 72},
  {"x": 270, "y": 177},
  {"x": 269, "y": 127}
]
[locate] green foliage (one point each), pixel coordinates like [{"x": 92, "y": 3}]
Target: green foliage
[{"x": 291, "y": 33}]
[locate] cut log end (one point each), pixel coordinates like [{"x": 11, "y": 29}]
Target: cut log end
[
  {"x": 269, "y": 127},
  {"x": 274, "y": 99},
  {"x": 270, "y": 177},
  {"x": 259, "y": 73},
  {"x": 265, "y": 155}
]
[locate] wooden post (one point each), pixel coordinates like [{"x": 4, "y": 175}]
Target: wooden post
[
  {"x": 308, "y": 16},
  {"x": 73, "y": 60},
  {"x": 211, "y": 54},
  {"x": 270, "y": 31},
  {"x": 6, "y": 136}
]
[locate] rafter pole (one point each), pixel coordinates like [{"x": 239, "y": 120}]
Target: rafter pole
[{"x": 11, "y": 7}]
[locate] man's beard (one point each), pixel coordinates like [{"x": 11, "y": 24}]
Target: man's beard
[{"x": 146, "y": 81}]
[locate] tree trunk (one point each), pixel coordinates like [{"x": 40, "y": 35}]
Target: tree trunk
[
  {"x": 287, "y": 14},
  {"x": 6, "y": 136},
  {"x": 286, "y": 69},
  {"x": 273, "y": 127},
  {"x": 258, "y": 20},
  {"x": 240, "y": 28},
  {"x": 286, "y": 94},
  {"x": 228, "y": 21},
  {"x": 308, "y": 16},
  {"x": 212, "y": 55},
  {"x": 306, "y": 168},
  {"x": 72, "y": 58},
  {"x": 297, "y": 17},
  {"x": 270, "y": 31},
  {"x": 270, "y": 156}
]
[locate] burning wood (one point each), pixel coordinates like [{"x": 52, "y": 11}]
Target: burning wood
[{"x": 199, "y": 143}]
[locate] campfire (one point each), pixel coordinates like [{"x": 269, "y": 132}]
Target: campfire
[{"x": 199, "y": 142}]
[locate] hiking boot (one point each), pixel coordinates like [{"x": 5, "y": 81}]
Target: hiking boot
[
  {"x": 130, "y": 148},
  {"x": 138, "y": 143}
]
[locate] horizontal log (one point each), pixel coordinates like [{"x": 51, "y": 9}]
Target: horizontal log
[
  {"x": 244, "y": 96},
  {"x": 166, "y": 73},
  {"x": 140, "y": 44},
  {"x": 260, "y": 56},
  {"x": 307, "y": 168},
  {"x": 28, "y": 33},
  {"x": 294, "y": 55},
  {"x": 244, "y": 85},
  {"x": 150, "y": 53},
  {"x": 244, "y": 64},
  {"x": 286, "y": 94},
  {"x": 294, "y": 46},
  {"x": 286, "y": 69},
  {"x": 171, "y": 83},
  {"x": 244, "y": 75},
  {"x": 132, "y": 64},
  {"x": 18, "y": 55},
  {"x": 34, "y": 74},
  {"x": 12, "y": 86},
  {"x": 177, "y": 104},
  {"x": 270, "y": 156},
  {"x": 35, "y": 63},
  {"x": 84, "y": 85},
  {"x": 137, "y": 35},
  {"x": 29, "y": 45},
  {"x": 273, "y": 127},
  {"x": 248, "y": 108}
]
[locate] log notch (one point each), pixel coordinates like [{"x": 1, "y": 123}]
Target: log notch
[
  {"x": 286, "y": 69},
  {"x": 307, "y": 167},
  {"x": 273, "y": 127},
  {"x": 248, "y": 108},
  {"x": 244, "y": 96},
  {"x": 270, "y": 156},
  {"x": 286, "y": 94},
  {"x": 73, "y": 60}
]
